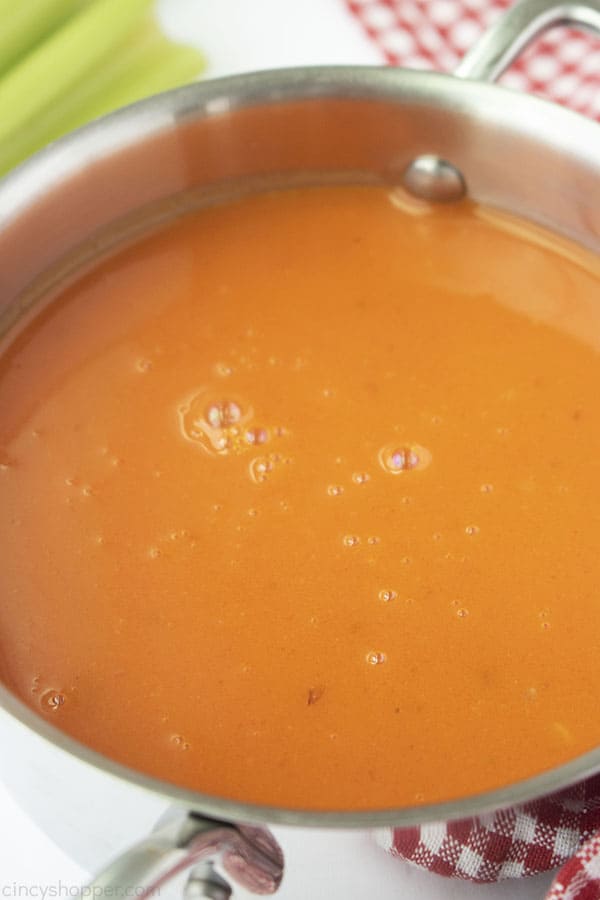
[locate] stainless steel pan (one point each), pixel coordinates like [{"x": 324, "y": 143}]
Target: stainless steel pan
[{"x": 438, "y": 135}]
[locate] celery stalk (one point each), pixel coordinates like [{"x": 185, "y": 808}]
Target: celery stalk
[
  {"x": 25, "y": 23},
  {"x": 68, "y": 111},
  {"x": 63, "y": 60},
  {"x": 145, "y": 63},
  {"x": 169, "y": 66}
]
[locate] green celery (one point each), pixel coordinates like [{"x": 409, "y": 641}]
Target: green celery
[
  {"x": 145, "y": 63},
  {"x": 59, "y": 64},
  {"x": 26, "y": 22},
  {"x": 169, "y": 66}
]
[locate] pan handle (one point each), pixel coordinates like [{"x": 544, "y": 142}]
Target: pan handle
[
  {"x": 434, "y": 179},
  {"x": 522, "y": 23},
  {"x": 247, "y": 854}
]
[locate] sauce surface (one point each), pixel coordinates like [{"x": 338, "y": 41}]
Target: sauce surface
[{"x": 300, "y": 502}]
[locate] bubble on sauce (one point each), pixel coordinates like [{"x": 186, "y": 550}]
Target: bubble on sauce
[
  {"x": 180, "y": 742},
  {"x": 398, "y": 459},
  {"x": 387, "y": 595},
  {"x": 216, "y": 423},
  {"x": 531, "y": 694},
  {"x": 260, "y": 468},
  {"x": 360, "y": 477},
  {"x": 462, "y": 612},
  {"x": 223, "y": 426},
  {"x": 4, "y": 467},
  {"x": 223, "y": 370},
  {"x": 374, "y": 539},
  {"x": 350, "y": 540},
  {"x": 376, "y": 657},
  {"x": 335, "y": 490},
  {"x": 222, "y": 413},
  {"x": 35, "y": 684},
  {"x": 486, "y": 488},
  {"x": 255, "y": 436},
  {"x": 154, "y": 553},
  {"x": 472, "y": 530},
  {"x": 52, "y": 700},
  {"x": 87, "y": 490},
  {"x": 144, "y": 365},
  {"x": 252, "y": 513}
]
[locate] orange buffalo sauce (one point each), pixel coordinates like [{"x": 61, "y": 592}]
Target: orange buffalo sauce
[{"x": 300, "y": 502}]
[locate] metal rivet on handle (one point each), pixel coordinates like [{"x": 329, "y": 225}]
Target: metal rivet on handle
[{"x": 432, "y": 178}]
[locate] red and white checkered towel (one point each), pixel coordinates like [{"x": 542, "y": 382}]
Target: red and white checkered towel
[
  {"x": 579, "y": 879},
  {"x": 533, "y": 838},
  {"x": 563, "y": 65},
  {"x": 564, "y": 830}
]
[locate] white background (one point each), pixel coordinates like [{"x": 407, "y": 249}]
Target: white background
[{"x": 237, "y": 36}]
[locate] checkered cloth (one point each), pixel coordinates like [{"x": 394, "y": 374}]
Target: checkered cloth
[
  {"x": 514, "y": 843},
  {"x": 579, "y": 879},
  {"x": 564, "y": 66}
]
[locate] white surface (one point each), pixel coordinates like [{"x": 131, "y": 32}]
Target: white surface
[
  {"x": 237, "y": 36},
  {"x": 319, "y": 866},
  {"x": 245, "y": 35}
]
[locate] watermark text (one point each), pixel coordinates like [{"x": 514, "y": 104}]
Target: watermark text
[{"x": 61, "y": 889}]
